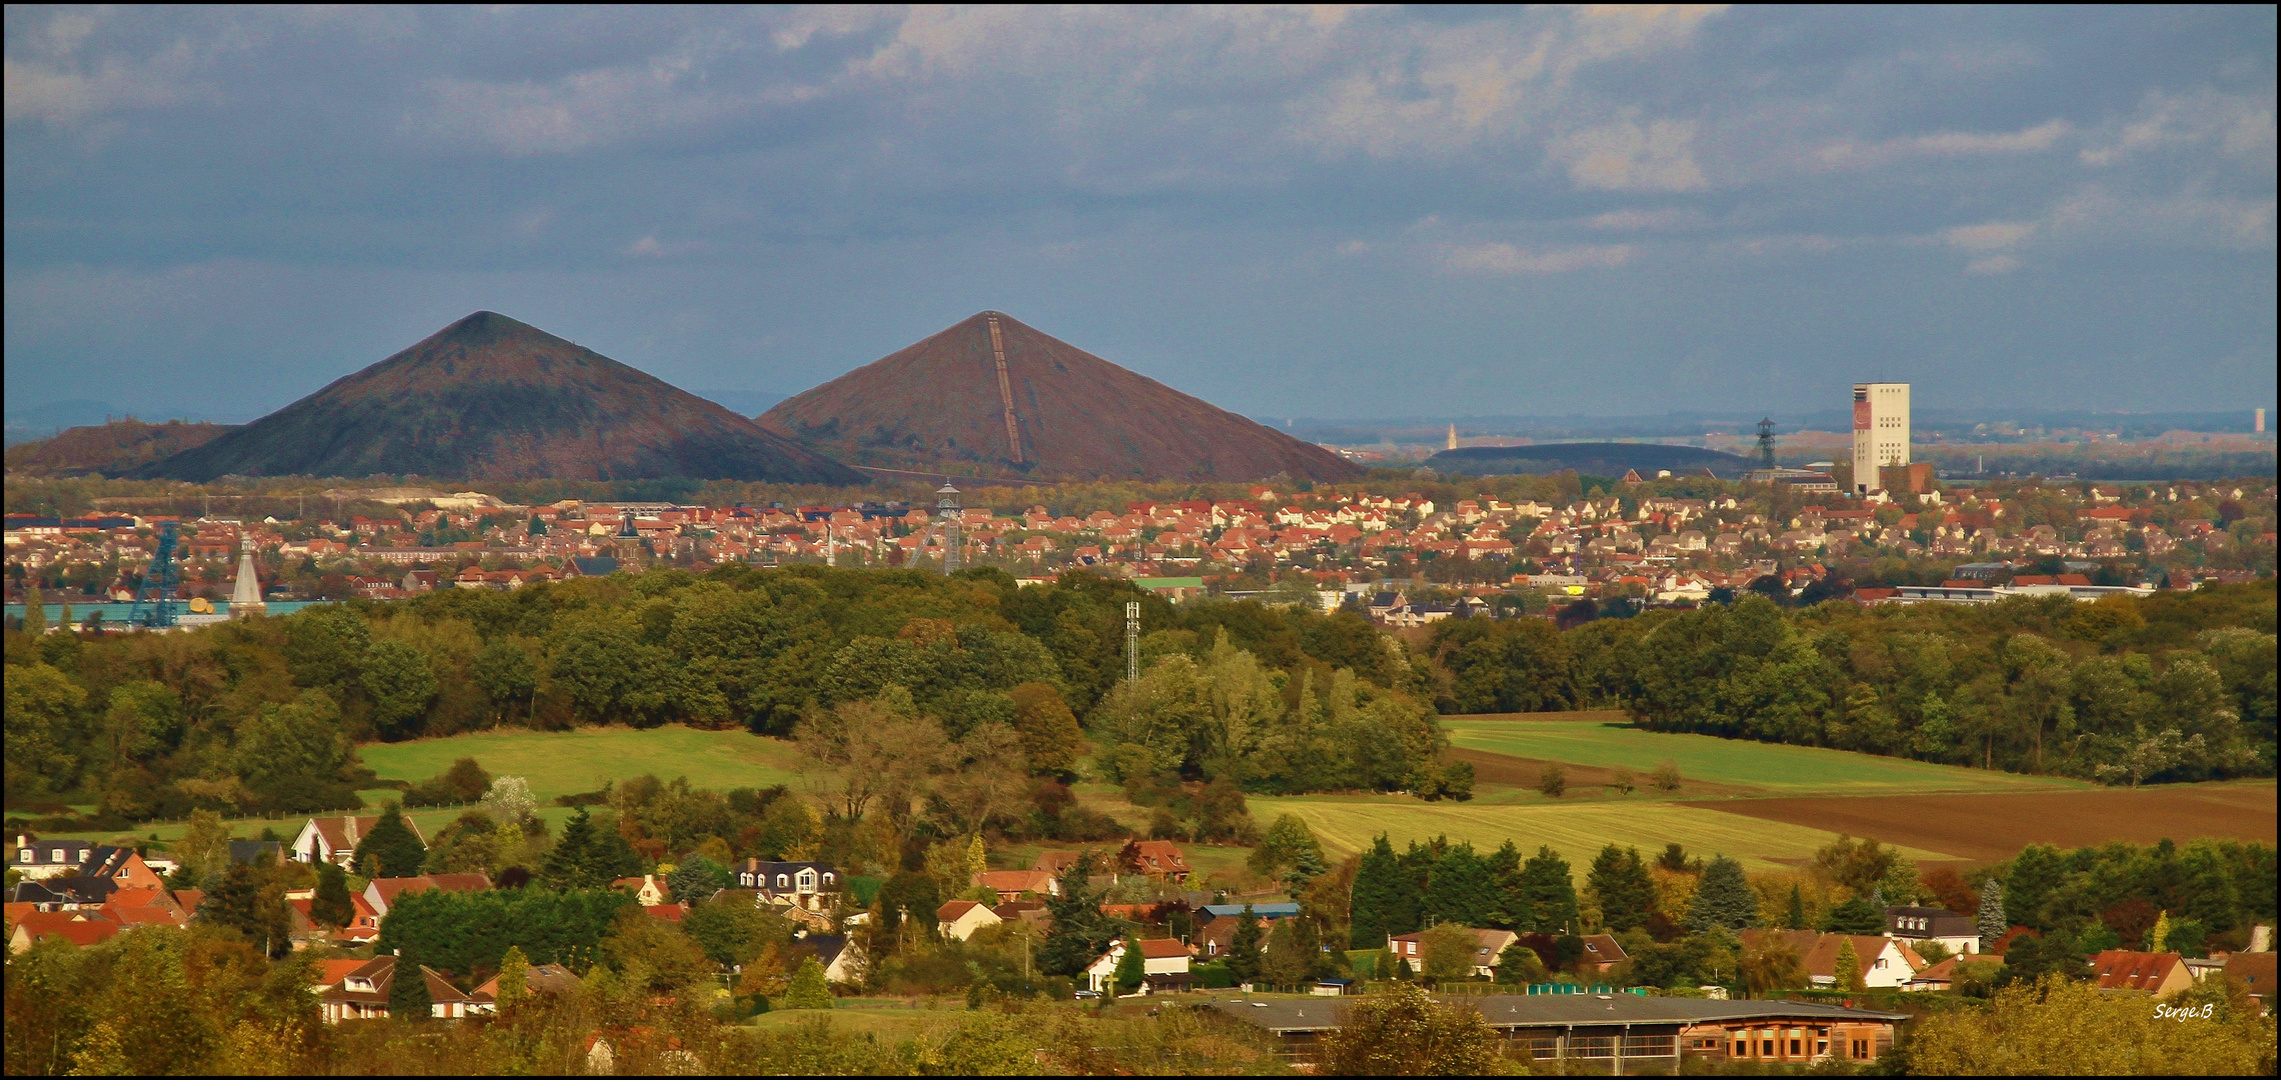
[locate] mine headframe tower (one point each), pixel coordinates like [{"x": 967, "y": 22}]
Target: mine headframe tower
[{"x": 157, "y": 601}]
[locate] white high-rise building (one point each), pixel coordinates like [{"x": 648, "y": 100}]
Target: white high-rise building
[{"x": 1880, "y": 432}]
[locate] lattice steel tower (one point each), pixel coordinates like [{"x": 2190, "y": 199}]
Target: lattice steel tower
[
  {"x": 154, "y": 602},
  {"x": 1132, "y": 641}
]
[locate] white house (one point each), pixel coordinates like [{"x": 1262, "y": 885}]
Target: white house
[
  {"x": 959, "y": 919},
  {"x": 334, "y": 839},
  {"x": 1164, "y": 964}
]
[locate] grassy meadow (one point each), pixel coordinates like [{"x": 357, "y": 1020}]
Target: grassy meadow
[
  {"x": 568, "y": 762},
  {"x": 1348, "y": 823},
  {"x": 1770, "y": 768}
]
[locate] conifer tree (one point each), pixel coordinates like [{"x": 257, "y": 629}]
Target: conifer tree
[
  {"x": 1081, "y": 933},
  {"x": 584, "y": 858},
  {"x": 391, "y": 849},
  {"x": 2158, "y": 939},
  {"x": 1992, "y": 924},
  {"x": 1797, "y": 919},
  {"x": 1724, "y": 899},
  {"x": 1132, "y": 967},
  {"x": 1550, "y": 893},
  {"x": 332, "y": 905},
  {"x": 514, "y": 978},
  {"x": 408, "y": 997},
  {"x": 1849, "y": 966},
  {"x": 1244, "y": 954},
  {"x": 1376, "y": 897},
  {"x": 1460, "y": 888},
  {"x": 1619, "y": 881},
  {"x": 808, "y": 989},
  {"x": 35, "y": 614}
]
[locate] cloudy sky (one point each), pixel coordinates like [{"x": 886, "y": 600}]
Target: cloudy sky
[{"x": 1309, "y": 211}]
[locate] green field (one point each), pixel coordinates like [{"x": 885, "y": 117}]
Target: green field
[
  {"x": 567, "y": 762},
  {"x": 1774, "y": 768},
  {"x": 1347, "y": 823}
]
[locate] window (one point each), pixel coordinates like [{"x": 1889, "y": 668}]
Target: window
[
  {"x": 1797, "y": 1048},
  {"x": 827, "y": 877},
  {"x": 1861, "y": 1049},
  {"x": 24, "y": 856},
  {"x": 782, "y": 880},
  {"x": 56, "y": 855},
  {"x": 1766, "y": 1048}
]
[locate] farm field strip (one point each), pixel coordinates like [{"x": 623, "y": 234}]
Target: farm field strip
[
  {"x": 1350, "y": 823},
  {"x": 1991, "y": 826},
  {"x": 566, "y": 762},
  {"x": 1771, "y": 767}
]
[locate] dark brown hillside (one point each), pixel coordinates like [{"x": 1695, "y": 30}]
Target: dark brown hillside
[
  {"x": 489, "y": 397},
  {"x": 1049, "y": 410},
  {"x": 113, "y": 449}
]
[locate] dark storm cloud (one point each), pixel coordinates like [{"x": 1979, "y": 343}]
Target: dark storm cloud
[{"x": 1303, "y": 211}]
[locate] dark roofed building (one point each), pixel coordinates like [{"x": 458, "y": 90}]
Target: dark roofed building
[{"x": 590, "y": 566}]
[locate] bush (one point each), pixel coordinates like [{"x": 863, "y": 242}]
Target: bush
[
  {"x": 1553, "y": 781},
  {"x": 1665, "y": 778}
]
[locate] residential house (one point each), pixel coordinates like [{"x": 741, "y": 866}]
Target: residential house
[
  {"x": 81, "y": 928},
  {"x": 538, "y": 979},
  {"x": 843, "y": 958},
  {"x": 36, "y": 859},
  {"x": 1054, "y": 862},
  {"x": 2255, "y": 972},
  {"x": 1601, "y": 955},
  {"x": 647, "y": 889},
  {"x": 363, "y": 925},
  {"x": 1488, "y": 949},
  {"x": 959, "y": 919},
  {"x": 1944, "y": 975},
  {"x": 810, "y": 886},
  {"x": 1917, "y": 925},
  {"x": 1212, "y": 940},
  {"x": 1014, "y": 884},
  {"x": 1885, "y": 962},
  {"x": 357, "y": 990},
  {"x": 334, "y": 839},
  {"x": 1159, "y": 859},
  {"x": 1164, "y": 965},
  {"x": 383, "y": 892},
  {"x": 2160, "y": 974},
  {"x": 71, "y": 892}
]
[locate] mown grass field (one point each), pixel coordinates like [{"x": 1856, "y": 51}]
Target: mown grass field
[
  {"x": 1771, "y": 768},
  {"x": 567, "y": 762},
  {"x": 1348, "y": 823}
]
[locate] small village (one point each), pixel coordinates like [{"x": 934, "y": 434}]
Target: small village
[{"x": 1568, "y": 993}]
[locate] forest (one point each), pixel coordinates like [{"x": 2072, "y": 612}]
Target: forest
[
  {"x": 263, "y": 715},
  {"x": 2124, "y": 690}
]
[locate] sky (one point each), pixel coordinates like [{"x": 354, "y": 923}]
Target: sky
[{"x": 1326, "y": 212}]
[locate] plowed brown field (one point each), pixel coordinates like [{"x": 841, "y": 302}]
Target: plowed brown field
[{"x": 1985, "y": 828}]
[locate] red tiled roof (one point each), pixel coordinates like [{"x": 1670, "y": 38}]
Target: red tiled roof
[
  {"x": 2122, "y": 969},
  {"x": 1162, "y": 949}
]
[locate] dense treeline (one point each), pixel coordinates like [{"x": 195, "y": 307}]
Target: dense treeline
[
  {"x": 2172, "y": 687},
  {"x": 262, "y": 714}
]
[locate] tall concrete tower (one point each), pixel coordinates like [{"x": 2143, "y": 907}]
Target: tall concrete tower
[
  {"x": 947, "y": 511},
  {"x": 1452, "y": 437},
  {"x": 245, "y": 595},
  {"x": 1880, "y": 432}
]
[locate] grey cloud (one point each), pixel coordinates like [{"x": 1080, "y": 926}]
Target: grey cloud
[{"x": 1261, "y": 205}]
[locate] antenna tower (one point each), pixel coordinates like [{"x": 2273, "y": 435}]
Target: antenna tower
[
  {"x": 154, "y": 602},
  {"x": 1132, "y": 641},
  {"x": 1766, "y": 444}
]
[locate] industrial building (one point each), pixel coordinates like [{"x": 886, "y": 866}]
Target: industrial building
[{"x": 1880, "y": 433}]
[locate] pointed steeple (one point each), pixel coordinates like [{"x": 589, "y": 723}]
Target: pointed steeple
[{"x": 245, "y": 595}]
